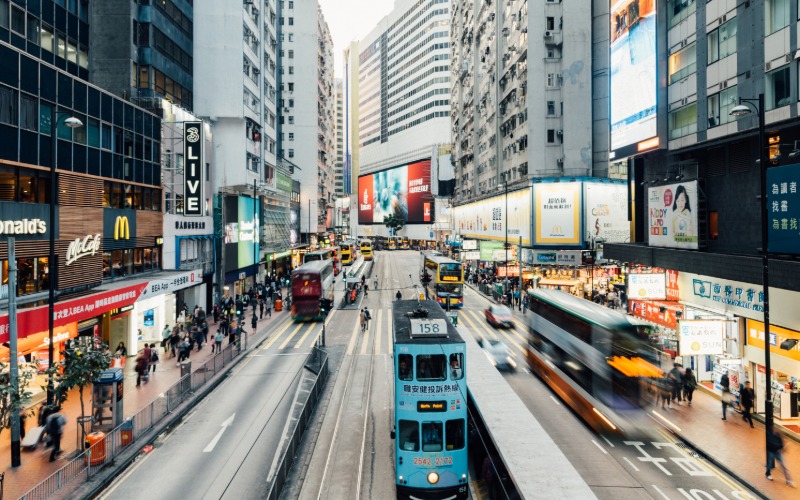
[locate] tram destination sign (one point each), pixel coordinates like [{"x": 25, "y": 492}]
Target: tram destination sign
[
  {"x": 431, "y": 406},
  {"x": 429, "y": 327}
]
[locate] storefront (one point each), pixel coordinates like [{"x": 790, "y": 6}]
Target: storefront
[{"x": 241, "y": 245}]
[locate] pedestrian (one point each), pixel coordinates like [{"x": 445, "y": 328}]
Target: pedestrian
[
  {"x": 204, "y": 328},
  {"x": 217, "y": 345},
  {"x": 677, "y": 382},
  {"x": 153, "y": 358},
  {"x": 366, "y": 290},
  {"x": 524, "y": 304},
  {"x": 54, "y": 425},
  {"x": 398, "y": 295},
  {"x": 362, "y": 318},
  {"x": 774, "y": 452},
  {"x": 165, "y": 338},
  {"x": 121, "y": 351},
  {"x": 268, "y": 305},
  {"x": 215, "y": 312},
  {"x": 254, "y": 323},
  {"x": 689, "y": 385},
  {"x": 142, "y": 365},
  {"x": 198, "y": 338},
  {"x": 174, "y": 339},
  {"x": 260, "y": 308},
  {"x": 183, "y": 349},
  {"x": 375, "y": 282},
  {"x": 664, "y": 385},
  {"x": 727, "y": 397},
  {"x": 746, "y": 399}
]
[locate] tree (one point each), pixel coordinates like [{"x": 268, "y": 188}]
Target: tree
[
  {"x": 13, "y": 401},
  {"x": 393, "y": 222}
]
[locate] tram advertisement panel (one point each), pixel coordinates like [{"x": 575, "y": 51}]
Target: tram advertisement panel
[{"x": 404, "y": 191}]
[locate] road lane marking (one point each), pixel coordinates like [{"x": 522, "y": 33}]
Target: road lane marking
[
  {"x": 631, "y": 464},
  {"x": 607, "y": 441},
  {"x": 555, "y": 400},
  {"x": 600, "y": 446},
  {"x": 666, "y": 421},
  {"x": 389, "y": 339},
  {"x": 377, "y": 349},
  {"x": 662, "y": 493},
  {"x": 227, "y": 423},
  {"x": 303, "y": 338},
  {"x": 353, "y": 338},
  {"x": 291, "y": 335},
  {"x": 274, "y": 337},
  {"x": 472, "y": 328}
]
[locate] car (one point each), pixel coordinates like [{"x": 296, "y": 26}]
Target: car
[
  {"x": 499, "y": 354},
  {"x": 499, "y": 316}
]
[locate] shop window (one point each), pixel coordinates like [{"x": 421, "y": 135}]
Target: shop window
[
  {"x": 116, "y": 195},
  {"x": 127, "y": 262},
  {"x": 8, "y": 184},
  {"x": 42, "y": 274},
  {"x": 147, "y": 258},
  {"x": 117, "y": 268},
  {"x": 778, "y": 89},
  {"x": 27, "y": 187},
  {"x": 138, "y": 265},
  {"x": 128, "y": 196},
  {"x": 156, "y": 258},
  {"x": 713, "y": 225},
  {"x": 26, "y": 276},
  {"x": 106, "y": 264}
]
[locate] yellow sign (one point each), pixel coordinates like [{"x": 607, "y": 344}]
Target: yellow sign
[
  {"x": 557, "y": 213},
  {"x": 122, "y": 228},
  {"x": 449, "y": 278},
  {"x": 755, "y": 338}
]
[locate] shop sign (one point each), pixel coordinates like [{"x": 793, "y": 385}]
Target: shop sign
[
  {"x": 652, "y": 311},
  {"x": 470, "y": 244},
  {"x": 508, "y": 271},
  {"x": 486, "y": 219},
  {"x": 777, "y": 335},
  {"x": 567, "y": 258},
  {"x": 606, "y": 212},
  {"x": 734, "y": 296},
  {"x": 278, "y": 255},
  {"x": 488, "y": 248},
  {"x": 171, "y": 284},
  {"x": 558, "y": 213},
  {"x": 89, "y": 245},
  {"x": 284, "y": 182},
  {"x": 193, "y": 169},
  {"x": 697, "y": 337},
  {"x": 472, "y": 255},
  {"x": 783, "y": 205},
  {"x": 23, "y": 227},
  {"x": 647, "y": 286}
]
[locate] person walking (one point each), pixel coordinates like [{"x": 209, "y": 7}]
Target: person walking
[
  {"x": 254, "y": 323},
  {"x": 165, "y": 335},
  {"x": 362, "y": 318},
  {"x": 142, "y": 365},
  {"x": 375, "y": 282},
  {"x": 774, "y": 453},
  {"x": 366, "y": 290},
  {"x": 524, "y": 304},
  {"x": 174, "y": 339},
  {"x": 725, "y": 382},
  {"x": 689, "y": 385},
  {"x": 746, "y": 399},
  {"x": 54, "y": 425},
  {"x": 676, "y": 377},
  {"x": 260, "y": 308},
  {"x": 398, "y": 295},
  {"x": 153, "y": 358},
  {"x": 217, "y": 345}
]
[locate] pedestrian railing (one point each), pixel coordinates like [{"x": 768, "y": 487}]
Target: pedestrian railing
[{"x": 90, "y": 462}]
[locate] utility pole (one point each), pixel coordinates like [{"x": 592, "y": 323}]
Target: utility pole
[{"x": 16, "y": 460}]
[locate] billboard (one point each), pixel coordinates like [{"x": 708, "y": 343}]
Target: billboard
[
  {"x": 486, "y": 219},
  {"x": 783, "y": 207},
  {"x": 404, "y": 191},
  {"x": 606, "y": 212},
  {"x": 633, "y": 74},
  {"x": 672, "y": 215},
  {"x": 700, "y": 337},
  {"x": 647, "y": 286},
  {"x": 241, "y": 232},
  {"x": 558, "y": 213},
  {"x": 193, "y": 169}
]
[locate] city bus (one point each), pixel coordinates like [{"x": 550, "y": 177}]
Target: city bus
[
  {"x": 309, "y": 283},
  {"x": 349, "y": 252},
  {"x": 596, "y": 359},
  {"x": 405, "y": 243},
  {"x": 331, "y": 253},
  {"x": 365, "y": 247},
  {"x": 392, "y": 243},
  {"x": 446, "y": 278},
  {"x": 430, "y": 403}
]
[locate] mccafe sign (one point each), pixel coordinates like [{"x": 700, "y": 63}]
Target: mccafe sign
[{"x": 82, "y": 247}]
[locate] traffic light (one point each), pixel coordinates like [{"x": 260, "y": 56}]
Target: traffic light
[
  {"x": 426, "y": 278},
  {"x": 325, "y": 305}
]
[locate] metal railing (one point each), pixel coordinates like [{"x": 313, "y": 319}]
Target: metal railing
[{"x": 89, "y": 462}]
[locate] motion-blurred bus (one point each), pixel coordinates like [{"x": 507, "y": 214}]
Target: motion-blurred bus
[
  {"x": 331, "y": 253},
  {"x": 311, "y": 282}
]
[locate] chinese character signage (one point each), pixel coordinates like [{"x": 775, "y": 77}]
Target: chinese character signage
[
  {"x": 777, "y": 335},
  {"x": 486, "y": 219},
  {"x": 672, "y": 215},
  {"x": 700, "y": 337},
  {"x": 558, "y": 211},
  {"x": 783, "y": 209},
  {"x": 647, "y": 286}
]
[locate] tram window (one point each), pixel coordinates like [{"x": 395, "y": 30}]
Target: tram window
[
  {"x": 431, "y": 436},
  {"x": 404, "y": 366},
  {"x": 408, "y": 438},
  {"x": 456, "y": 366},
  {"x": 454, "y": 433},
  {"x": 431, "y": 367}
]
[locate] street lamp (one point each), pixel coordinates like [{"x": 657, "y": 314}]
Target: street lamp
[
  {"x": 743, "y": 109},
  {"x": 52, "y": 269}
]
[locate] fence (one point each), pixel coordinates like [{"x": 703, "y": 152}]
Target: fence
[{"x": 91, "y": 461}]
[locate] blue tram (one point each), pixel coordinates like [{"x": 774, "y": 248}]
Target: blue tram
[{"x": 430, "y": 403}]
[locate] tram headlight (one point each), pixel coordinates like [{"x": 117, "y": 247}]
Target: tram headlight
[{"x": 433, "y": 477}]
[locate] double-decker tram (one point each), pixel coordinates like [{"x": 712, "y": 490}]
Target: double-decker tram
[
  {"x": 392, "y": 243},
  {"x": 430, "y": 403},
  {"x": 311, "y": 282},
  {"x": 598, "y": 361},
  {"x": 365, "y": 247},
  {"x": 349, "y": 252},
  {"x": 446, "y": 278},
  {"x": 330, "y": 253}
]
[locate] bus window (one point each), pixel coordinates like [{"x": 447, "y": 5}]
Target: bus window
[
  {"x": 431, "y": 367},
  {"x": 456, "y": 366},
  {"x": 454, "y": 433},
  {"x": 404, "y": 366},
  {"x": 408, "y": 437},
  {"x": 431, "y": 436}
]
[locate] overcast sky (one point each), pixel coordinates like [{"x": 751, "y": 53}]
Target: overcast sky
[{"x": 350, "y": 20}]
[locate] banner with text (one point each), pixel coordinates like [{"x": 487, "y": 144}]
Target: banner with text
[{"x": 558, "y": 213}]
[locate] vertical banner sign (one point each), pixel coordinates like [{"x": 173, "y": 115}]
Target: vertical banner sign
[
  {"x": 783, "y": 209},
  {"x": 193, "y": 169}
]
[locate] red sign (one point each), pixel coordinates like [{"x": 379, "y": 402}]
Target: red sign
[
  {"x": 673, "y": 293},
  {"x": 30, "y": 321},
  {"x": 419, "y": 191},
  {"x": 365, "y": 199},
  {"x": 427, "y": 212},
  {"x": 652, "y": 311}
]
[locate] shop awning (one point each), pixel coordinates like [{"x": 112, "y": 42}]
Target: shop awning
[
  {"x": 38, "y": 341},
  {"x": 555, "y": 282}
]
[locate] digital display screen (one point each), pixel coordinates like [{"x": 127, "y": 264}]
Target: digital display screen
[
  {"x": 431, "y": 406},
  {"x": 404, "y": 191},
  {"x": 241, "y": 232}
]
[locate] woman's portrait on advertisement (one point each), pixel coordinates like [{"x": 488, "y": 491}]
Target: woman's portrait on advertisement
[{"x": 682, "y": 217}]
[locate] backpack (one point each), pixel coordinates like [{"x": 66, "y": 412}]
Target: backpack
[
  {"x": 367, "y": 315},
  {"x": 154, "y": 356}
]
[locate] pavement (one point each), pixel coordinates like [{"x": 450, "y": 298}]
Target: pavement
[
  {"x": 730, "y": 444},
  {"x": 36, "y": 466}
]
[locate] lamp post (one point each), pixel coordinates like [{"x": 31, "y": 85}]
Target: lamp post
[
  {"x": 52, "y": 269},
  {"x": 743, "y": 110}
]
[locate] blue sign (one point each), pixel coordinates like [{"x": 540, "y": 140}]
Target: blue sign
[
  {"x": 148, "y": 318},
  {"x": 783, "y": 209}
]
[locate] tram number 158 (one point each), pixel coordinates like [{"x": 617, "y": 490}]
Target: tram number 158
[{"x": 430, "y": 327}]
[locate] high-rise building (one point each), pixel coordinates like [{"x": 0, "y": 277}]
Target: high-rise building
[
  {"x": 307, "y": 111},
  {"x": 512, "y": 123},
  {"x": 338, "y": 181}
]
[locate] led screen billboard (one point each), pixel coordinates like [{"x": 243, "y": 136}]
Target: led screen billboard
[
  {"x": 633, "y": 74},
  {"x": 404, "y": 191},
  {"x": 241, "y": 232},
  {"x": 672, "y": 215}
]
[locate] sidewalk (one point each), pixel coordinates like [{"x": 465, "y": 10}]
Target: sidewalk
[
  {"x": 36, "y": 466},
  {"x": 730, "y": 443}
]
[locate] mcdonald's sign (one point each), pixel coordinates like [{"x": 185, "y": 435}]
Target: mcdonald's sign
[{"x": 122, "y": 228}]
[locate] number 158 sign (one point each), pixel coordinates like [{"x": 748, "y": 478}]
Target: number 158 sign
[{"x": 429, "y": 327}]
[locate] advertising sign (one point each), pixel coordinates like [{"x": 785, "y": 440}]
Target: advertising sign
[
  {"x": 470, "y": 244},
  {"x": 472, "y": 255},
  {"x": 783, "y": 208},
  {"x": 241, "y": 232},
  {"x": 700, "y": 337},
  {"x": 193, "y": 169},
  {"x": 647, "y": 286},
  {"x": 486, "y": 219},
  {"x": 606, "y": 212},
  {"x": 25, "y": 221},
  {"x": 777, "y": 335},
  {"x": 283, "y": 182},
  {"x": 672, "y": 215},
  {"x": 119, "y": 225},
  {"x": 662, "y": 313},
  {"x": 558, "y": 211},
  {"x": 633, "y": 74},
  {"x": 567, "y": 258},
  {"x": 488, "y": 248},
  {"x": 404, "y": 191},
  {"x": 171, "y": 283}
]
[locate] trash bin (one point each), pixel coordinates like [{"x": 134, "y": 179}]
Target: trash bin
[
  {"x": 278, "y": 305},
  {"x": 186, "y": 368},
  {"x": 96, "y": 444},
  {"x": 126, "y": 432}
]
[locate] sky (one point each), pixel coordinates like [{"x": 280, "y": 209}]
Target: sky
[{"x": 350, "y": 20}]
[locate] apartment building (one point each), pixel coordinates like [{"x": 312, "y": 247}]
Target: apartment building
[{"x": 339, "y": 172}]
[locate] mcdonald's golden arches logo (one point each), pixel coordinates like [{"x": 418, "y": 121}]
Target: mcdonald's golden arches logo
[
  {"x": 557, "y": 230},
  {"x": 122, "y": 228}
]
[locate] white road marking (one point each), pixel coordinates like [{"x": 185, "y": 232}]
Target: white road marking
[
  {"x": 227, "y": 423},
  {"x": 599, "y": 446},
  {"x": 555, "y": 400},
  {"x": 631, "y": 464},
  {"x": 607, "y": 441},
  {"x": 662, "y": 493}
]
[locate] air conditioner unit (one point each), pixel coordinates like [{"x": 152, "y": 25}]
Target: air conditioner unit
[
  {"x": 548, "y": 34},
  {"x": 560, "y": 162},
  {"x": 560, "y": 133}
]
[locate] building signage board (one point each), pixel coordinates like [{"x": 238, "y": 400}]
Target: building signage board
[
  {"x": 25, "y": 221},
  {"x": 606, "y": 212},
  {"x": 566, "y": 258},
  {"x": 488, "y": 248},
  {"x": 672, "y": 215},
  {"x": 486, "y": 219},
  {"x": 470, "y": 244},
  {"x": 558, "y": 213},
  {"x": 283, "y": 182},
  {"x": 242, "y": 230},
  {"x": 193, "y": 169},
  {"x": 471, "y": 255},
  {"x": 783, "y": 209},
  {"x": 82, "y": 247},
  {"x": 119, "y": 228},
  {"x": 777, "y": 335},
  {"x": 180, "y": 225},
  {"x": 171, "y": 283},
  {"x": 404, "y": 191},
  {"x": 700, "y": 337},
  {"x": 651, "y": 286}
]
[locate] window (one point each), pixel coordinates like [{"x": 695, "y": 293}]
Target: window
[
  {"x": 432, "y": 436},
  {"x": 4, "y": 13},
  {"x": 776, "y": 15},
  {"x": 408, "y": 435},
  {"x": 683, "y": 63},
  {"x": 405, "y": 366},
  {"x": 551, "y": 108},
  {"x": 454, "y": 434},
  {"x": 46, "y": 38},
  {"x": 778, "y": 91},
  {"x": 431, "y": 367},
  {"x": 683, "y": 121},
  {"x": 291, "y": 21},
  {"x": 45, "y": 116},
  {"x": 8, "y": 106},
  {"x": 291, "y": 120},
  {"x": 720, "y": 105},
  {"x": 28, "y": 115},
  {"x": 105, "y": 136},
  {"x": 291, "y": 70},
  {"x": 456, "y": 366},
  {"x": 551, "y": 136},
  {"x": 550, "y": 23},
  {"x": 722, "y": 41},
  {"x": 17, "y": 20},
  {"x": 33, "y": 29},
  {"x": 678, "y": 10},
  {"x": 291, "y": 153},
  {"x": 291, "y": 54},
  {"x": 291, "y": 136},
  {"x": 713, "y": 225}
]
